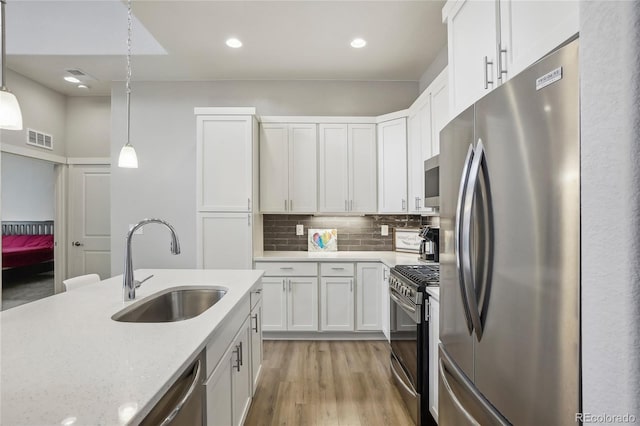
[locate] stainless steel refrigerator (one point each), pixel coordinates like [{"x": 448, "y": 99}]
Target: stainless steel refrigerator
[{"x": 510, "y": 252}]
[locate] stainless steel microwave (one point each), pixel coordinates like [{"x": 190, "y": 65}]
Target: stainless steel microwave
[{"x": 432, "y": 182}]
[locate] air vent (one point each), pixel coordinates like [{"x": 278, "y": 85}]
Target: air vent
[{"x": 39, "y": 139}]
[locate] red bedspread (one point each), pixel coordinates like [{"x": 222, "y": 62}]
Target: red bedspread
[{"x": 23, "y": 250}]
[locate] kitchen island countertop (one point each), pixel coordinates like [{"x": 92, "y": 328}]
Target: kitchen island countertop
[{"x": 65, "y": 361}]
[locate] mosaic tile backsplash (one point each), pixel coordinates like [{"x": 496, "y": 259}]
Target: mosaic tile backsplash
[{"x": 355, "y": 233}]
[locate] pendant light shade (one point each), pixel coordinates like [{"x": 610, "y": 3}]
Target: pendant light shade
[
  {"x": 128, "y": 158},
  {"x": 10, "y": 114}
]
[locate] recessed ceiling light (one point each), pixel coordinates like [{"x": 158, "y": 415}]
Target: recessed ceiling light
[
  {"x": 71, "y": 79},
  {"x": 82, "y": 86},
  {"x": 234, "y": 43},
  {"x": 358, "y": 43}
]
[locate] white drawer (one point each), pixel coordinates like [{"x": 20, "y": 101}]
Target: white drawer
[
  {"x": 342, "y": 269},
  {"x": 288, "y": 269}
]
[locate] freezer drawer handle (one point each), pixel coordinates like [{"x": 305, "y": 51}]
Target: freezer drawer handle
[
  {"x": 458, "y": 236},
  {"x": 454, "y": 398}
]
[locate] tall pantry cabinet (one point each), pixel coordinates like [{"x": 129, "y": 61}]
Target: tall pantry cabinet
[{"x": 227, "y": 219}]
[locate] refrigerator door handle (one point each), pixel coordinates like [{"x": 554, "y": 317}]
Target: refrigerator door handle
[
  {"x": 472, "y": 301},
  {"x": 458, "y": 236}
]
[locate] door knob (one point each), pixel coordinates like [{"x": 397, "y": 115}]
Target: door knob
[{"x": 77, "y": 243}]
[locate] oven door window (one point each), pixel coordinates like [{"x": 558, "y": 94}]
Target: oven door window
[{"x": 404, "y": 342}]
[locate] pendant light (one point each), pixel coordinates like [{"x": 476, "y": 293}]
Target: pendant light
[
  {"x": 128, "y": 158},
  {"x": 10, "y": 114}
]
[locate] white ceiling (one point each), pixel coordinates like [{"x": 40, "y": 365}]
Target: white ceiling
[{"x": 183, "y": 40}]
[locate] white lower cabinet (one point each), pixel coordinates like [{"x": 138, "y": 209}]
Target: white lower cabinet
[
  {"x": 434, "y": 339},
  {"x": 256, "y": 344},
  {"x": 290, "y": 303},
  {"x": 368, "y": 296},
  {"x": 336, "y": 301},
  {"x": 302, "y": 304},
  {"x": 224, "y": 240},
  {"x": 386, "y": 314},
  {"x": 228, "y": 389}
]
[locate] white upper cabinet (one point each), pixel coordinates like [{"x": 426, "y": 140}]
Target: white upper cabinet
[
  {"x": 415, "y": 162},
  {"x": 471, "y": 26},
  {"x": 362, "y": 164},
  {"x": 225, "y": 163},
  {"x": 490, "y": 41},
  {"x": 347, "y": 168},
  {"x": 288, "y": 178},
  {"x": 392, "y": 166},
  {"x": 521, "y": 38}
]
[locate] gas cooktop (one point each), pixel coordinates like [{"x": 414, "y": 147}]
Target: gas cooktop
[{"x": 420, "y": 275}]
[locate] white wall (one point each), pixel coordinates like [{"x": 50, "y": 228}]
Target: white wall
[
  {"x": 88, "y": 126},
  {"x": 610, "y": 122},
  {"x": 27, "y": 188},
  {"x": 42, "y": 109},
  {"x": 164, "y": 135}
]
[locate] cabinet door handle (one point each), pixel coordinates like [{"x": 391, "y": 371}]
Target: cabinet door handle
[
  {"x": 346, "y": 206},
  {"x": 417, "y": 202},
  {"x": 501, "y": 69},
  {"x": 241, "y": 356},
  {"x": 286, "y": 267},
  {"x": 249, "y": 204},
  {"x": 404, "y": 204},
  {"x": 290, "y": 205},
  {"x": 351, "y": 285},
  {"x": 285, "y": 205},
  {"x": 351, "y": 206},
  {"x": 255, "y": 317},
  {"x": 289, "y": 286},
  {"x": 283, "y": 285},
  {"x": 237, "y": 351},
  {"x": 487, "y": 82},
  {"x": 249, "y": 219}
]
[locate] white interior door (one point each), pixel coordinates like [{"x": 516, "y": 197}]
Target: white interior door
[{"x": 89, "y": 242}]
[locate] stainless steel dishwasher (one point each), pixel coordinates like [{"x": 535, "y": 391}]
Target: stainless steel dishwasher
[{"x": 183, "y": 403}]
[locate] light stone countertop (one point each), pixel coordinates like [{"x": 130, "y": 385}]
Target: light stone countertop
[
  {"x": 389, "y": 258},
  {"x": 63, "y": 357}
]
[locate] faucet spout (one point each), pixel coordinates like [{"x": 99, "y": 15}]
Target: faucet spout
[{"x": 128, "y": 282}]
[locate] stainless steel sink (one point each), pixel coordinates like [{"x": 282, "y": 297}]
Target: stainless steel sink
[{"x": 172, "y": 304}]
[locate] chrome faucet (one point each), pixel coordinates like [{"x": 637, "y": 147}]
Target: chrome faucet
[{"x": 129, "y": 284}]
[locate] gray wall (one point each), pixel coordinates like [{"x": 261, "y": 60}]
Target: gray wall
[
  {"x": 42, "y": 109},
  {"x": 610, "y": 121},
  {"x": 88, "y": 124},
  {"x": 27, "y": 188},
  {"x": 163, "y": 132},
  {"x": 439, "y": 63}
]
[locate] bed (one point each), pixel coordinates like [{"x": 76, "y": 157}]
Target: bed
[{"x": 26, "y": 243}]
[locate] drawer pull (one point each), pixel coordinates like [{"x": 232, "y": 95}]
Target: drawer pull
[
  {"x": 335, "y": 268},
  {"x": 286, "y": 267}
]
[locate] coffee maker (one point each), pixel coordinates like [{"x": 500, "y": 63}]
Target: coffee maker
[{"x": 429, "y": 247}]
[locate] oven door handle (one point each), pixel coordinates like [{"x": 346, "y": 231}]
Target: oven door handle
[{"x": 410, "y": 310}]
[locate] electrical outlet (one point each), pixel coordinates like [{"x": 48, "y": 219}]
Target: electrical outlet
[
  {"x": 384, "y": 230},
  {"x": 138, "y": 231},
  {"x": 299, "y": 229}
]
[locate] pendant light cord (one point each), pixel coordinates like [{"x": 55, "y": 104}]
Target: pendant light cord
[
  {"x": 4, "y": 46},
  {"x": 128, "y": 84}
]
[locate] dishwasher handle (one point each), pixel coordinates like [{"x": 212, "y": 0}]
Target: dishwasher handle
[{"x": 185, "y": 398}]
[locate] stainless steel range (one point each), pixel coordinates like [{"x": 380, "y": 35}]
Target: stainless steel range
[{"x": 410, "y": 335}]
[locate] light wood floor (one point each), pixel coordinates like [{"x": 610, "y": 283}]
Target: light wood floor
[{"x": 327, "y": 383}]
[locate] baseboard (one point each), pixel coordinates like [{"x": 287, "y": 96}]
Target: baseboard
[{"x": 322, "y": 335}]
